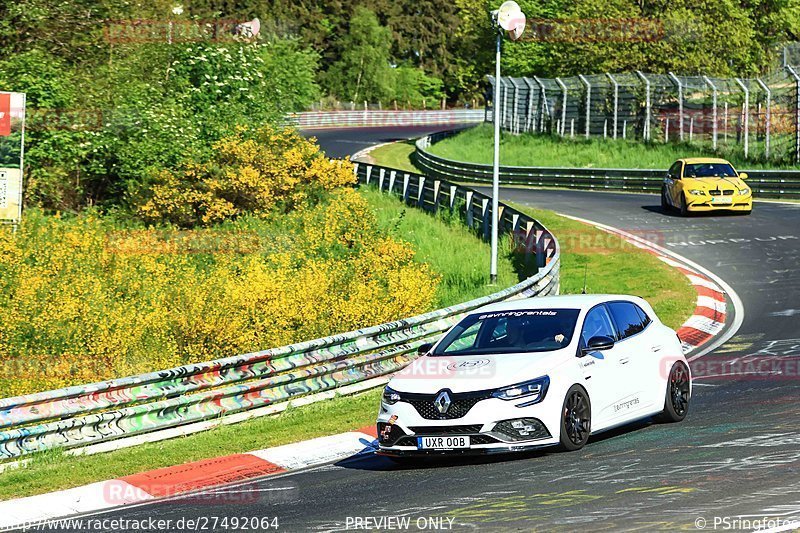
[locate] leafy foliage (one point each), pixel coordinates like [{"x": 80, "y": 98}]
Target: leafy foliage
[{"x": 257, "y": 173}]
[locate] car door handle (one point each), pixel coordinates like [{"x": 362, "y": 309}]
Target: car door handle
[
  {"x": 656, "y": 348},
  {"x": 624, "y": 360}
]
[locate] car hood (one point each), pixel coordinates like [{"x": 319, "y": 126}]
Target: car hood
[
  {"x": 430, "y": 374},
  {"x": 708, "y": 184}
]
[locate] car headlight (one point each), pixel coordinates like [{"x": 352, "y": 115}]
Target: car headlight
[
  {"x": 697, "y": 192},
  {"x": 744, "y": 192},
  {"x": 534, "y": 390},
  {"x": 390, "y": 396}
]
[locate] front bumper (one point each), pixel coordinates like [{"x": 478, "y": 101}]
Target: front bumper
[
  {"x": 700, "y": 203},
  {"x": 490, "y": 424}
]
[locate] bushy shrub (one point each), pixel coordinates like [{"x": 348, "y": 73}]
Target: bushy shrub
[
  {"x": 94, "y": 138},
  {"x": 83, "y": 299},
  {"x": 257, "y": 172}
]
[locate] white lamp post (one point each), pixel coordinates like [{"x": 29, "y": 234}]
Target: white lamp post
[{"x": 508, "y": 19}]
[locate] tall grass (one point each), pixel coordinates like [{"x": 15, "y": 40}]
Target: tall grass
[{"x": 451, "y": 249}]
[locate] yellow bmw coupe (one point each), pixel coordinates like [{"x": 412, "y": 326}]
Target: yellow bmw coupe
[{"x": 705, "y": 184}]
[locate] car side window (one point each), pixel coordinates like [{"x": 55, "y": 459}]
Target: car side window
[
  {"x": 673, "y": 171},
  {"x": 597, "y": 323},
  {"x": 627, "y": 318},
  {"x": 645, "y": 319}
]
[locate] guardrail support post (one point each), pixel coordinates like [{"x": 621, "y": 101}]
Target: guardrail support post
[
  {"x": 746, "y": 114},
  {"x": 767, "y": 116},
  {"x": 588, "y": 103},
  {"x": 381, "y": 174},
  {"x": 796, "y": 113},
  {"x": 453, "y": 189},
  {"x": 563, "y": 105},
  {"x": 392, "y": 176},
  {"x": 680, "y": 102},
  {"x": 646, "y": 129},
  {"x": 406, "y": 179},
  {"x": 369, "y": 173},
  {"x": 421, "y": 193},
  {"x": 436, "y": 185},
  {"x": 486, "y": 222},
  {"x": 616, "y": 101},
  {"x": 469, "y": 215}
]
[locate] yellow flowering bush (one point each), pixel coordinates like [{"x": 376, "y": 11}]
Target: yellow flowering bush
[
  {"x": 82, "y": 300},
  {"x": 257, "y": 173}
]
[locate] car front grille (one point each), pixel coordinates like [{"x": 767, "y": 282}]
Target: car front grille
[
  {"x": 458, "y": 409},
  {"x": 460, "y": 404},
  {"x": 717, "y": 192}
]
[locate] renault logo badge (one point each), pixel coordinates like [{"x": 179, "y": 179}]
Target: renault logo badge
[{"x": 442, "y": 402}]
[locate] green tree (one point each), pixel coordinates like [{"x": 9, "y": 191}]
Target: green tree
[{"x": 363, "y": 72}]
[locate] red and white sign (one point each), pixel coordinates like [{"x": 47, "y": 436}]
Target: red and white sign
[{"x": 5, "y": 114}]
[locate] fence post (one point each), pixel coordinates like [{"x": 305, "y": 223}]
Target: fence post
[
  {"x": 530, "y": 121},
  {"x": 646, "y": 129},
  {"x": 545, "y": 107},
  {"x": 563, "y": 105},
  {"x": 616, "y": 101},
  {"x": 588, "y": 102},
  {"x": 713, "y": 111},
  {"x": 746, "y": 113},
  {"x": 515, "y": 108},
  {"x": 796, "y": 113},
  {"x": 767, "y": 117},
  {"x": 680, "y": 103},
  {"x": 505, "y": 103}
]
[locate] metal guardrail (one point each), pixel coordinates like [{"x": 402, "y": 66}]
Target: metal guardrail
[
  {"x": 764, "y": 183},
  {"x": 385, "y": 118},
  {"x": 88, "y": 414}
]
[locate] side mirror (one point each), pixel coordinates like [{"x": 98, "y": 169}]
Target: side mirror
[
  {"x": 425, "y": 348},
  {"x": 597, "y": 344},
  {"x": 743, "y": 175}
]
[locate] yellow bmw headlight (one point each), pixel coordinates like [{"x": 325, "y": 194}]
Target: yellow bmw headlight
[
  {"x": 744, "y": 192},
  {"x": 697, "y": 192}
]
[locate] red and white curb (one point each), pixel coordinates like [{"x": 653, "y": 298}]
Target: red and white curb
[
  {"x": 706, "y": 329},
  {"x": 183, "y": 479}
]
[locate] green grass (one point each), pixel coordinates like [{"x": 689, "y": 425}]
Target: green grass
[
  {"x": 449, "y": 247},
  {"x": 475, "y": 145},
  {"x": 396, "y": 155},
  {"x": 613, "y": 266}
]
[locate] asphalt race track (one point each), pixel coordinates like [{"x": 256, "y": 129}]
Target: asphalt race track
[{"x": 737, "y": 455}]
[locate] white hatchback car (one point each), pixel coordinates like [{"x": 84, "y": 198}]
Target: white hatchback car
[{"x": 537, "y": 372}]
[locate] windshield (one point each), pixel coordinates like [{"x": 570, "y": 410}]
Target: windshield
[
  {"x": 709, "y": 170},
  {"x": 531, "y": 330}
]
